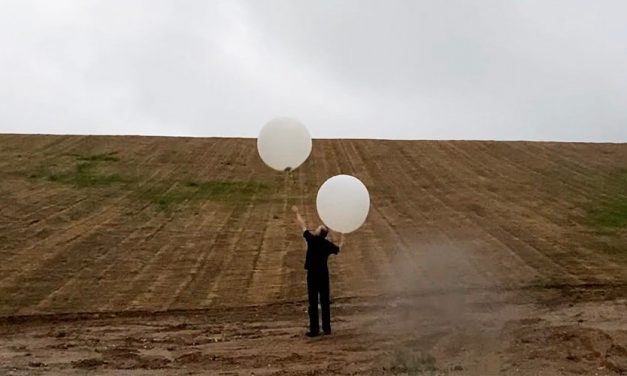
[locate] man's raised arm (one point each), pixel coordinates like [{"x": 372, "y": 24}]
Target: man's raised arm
[{"x": 299, "y": 219}]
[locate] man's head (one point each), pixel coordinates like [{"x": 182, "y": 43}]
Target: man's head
[{"x": 322, "y": 231}]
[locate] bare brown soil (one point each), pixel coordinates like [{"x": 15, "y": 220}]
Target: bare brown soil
[{"x": 147, "y": 255}]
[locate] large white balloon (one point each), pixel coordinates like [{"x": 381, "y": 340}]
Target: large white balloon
[
  {"x": 284, "y": 144},
  {"x": 343, "y": 203}
]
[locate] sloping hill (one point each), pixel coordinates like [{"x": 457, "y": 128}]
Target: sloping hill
[{"x": 151, "y": 223}]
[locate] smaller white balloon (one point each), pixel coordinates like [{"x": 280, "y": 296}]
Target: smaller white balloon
[
  {"x": 284, "y": 144},
  {"x": 343, "y": 203}
]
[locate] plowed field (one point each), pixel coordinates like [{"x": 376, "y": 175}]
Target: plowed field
[{"x": 165, "y": 255}]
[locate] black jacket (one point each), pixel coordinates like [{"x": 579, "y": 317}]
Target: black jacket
[{"x": 318, "y": 251}]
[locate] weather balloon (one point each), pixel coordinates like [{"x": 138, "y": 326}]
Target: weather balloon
[
  {"x": 343, "y": 203},
  {"x": 284, "y": 144}
]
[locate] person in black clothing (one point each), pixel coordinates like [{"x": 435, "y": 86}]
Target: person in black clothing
[{"x": 318, "y": 250}]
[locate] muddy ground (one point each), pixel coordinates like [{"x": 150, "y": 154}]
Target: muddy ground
[{"x": 537, "y": 331}]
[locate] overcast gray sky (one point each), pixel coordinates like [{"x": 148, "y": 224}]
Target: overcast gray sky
[{"x": 535, "y": 70}]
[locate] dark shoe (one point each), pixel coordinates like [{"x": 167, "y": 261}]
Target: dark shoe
[
  {"x": 312, "y": 334},
  {"x": 327, "y": 332}
]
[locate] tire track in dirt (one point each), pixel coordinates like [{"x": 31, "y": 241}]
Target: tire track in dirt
[
  {"x": 436, "y": 249},
  {"x": 581, "y": 175},
  {"x": 74, "y": 254},
  {"x": 383, "y": 193},
  {"x": 230, "y": 276},
  {"x": 462, "y": 248},
  {"x": 601, "y": 266},
  {"x": 14, "y": 144},
  {"x": 224, "y": 249},
  {"x": 407, "y": 265},
  {"x": 238, "y": 266},
  {"x": 512, "y": 243},
  {"x": 539, "y": 177},
  {"x": 17, "y": 232},
  {"x": 38, "y": 273},
  {"x": 608, "y": 161},
  {"x": 186, "y": 285},
  {"x": 547, "y": 233},
  {"x": 54, "y": 203},
  {"x": 165, "y": 263},
  {"x": 148, "y": 285},
  {"x": 161, "y": 223},
  {"x": 577, "y": 171},
  {"x": 454, "y": 220},
  {"x": 516, "y": 211},
  {"x": 103, "y": 271},
  {"x": 57, "y": 243},
  {"x": 596, "y": 181},
  {"x": 32, "y": 195},
  {"x": 239, "y": 270},
  {"x": 535, "y": 164},
  {"x": 55, "y": 144},
  {"x": 196, "y": 255},
  {"x": 406, "y": 257},
  {"x": 375, "y": 260},
  {"x": 16, "y": 259},
  {"x": 264, "y": 283}
]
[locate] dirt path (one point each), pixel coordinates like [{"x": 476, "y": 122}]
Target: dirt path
[{"x": 556, "y": 331}]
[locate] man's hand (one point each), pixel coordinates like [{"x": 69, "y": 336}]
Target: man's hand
[
  {"x": 341, "y": 240},
  {"x": 299, "y": 219}
]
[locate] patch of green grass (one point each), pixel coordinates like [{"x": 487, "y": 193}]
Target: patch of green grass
[
  {"x": 609, "y": 210},
  {"x": 167, "y": 196},
  {"x": 84, "y": 174},
  {"x": 102, "y": 157},
  {"x": 412, "y": 363},
  {"x": 222, "y": 189},
  {"x": 612, "y": 214},
  {"x": 162, "y": 197},
  {"x": 606, "y": 217}
]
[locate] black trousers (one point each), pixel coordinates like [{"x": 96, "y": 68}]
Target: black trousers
[{"x": 318, "y": 285}]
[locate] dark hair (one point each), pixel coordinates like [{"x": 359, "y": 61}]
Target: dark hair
[{"x": 324, "y": 231}]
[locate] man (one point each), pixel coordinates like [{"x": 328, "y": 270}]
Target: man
[{"x": 318, "y": 251}]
